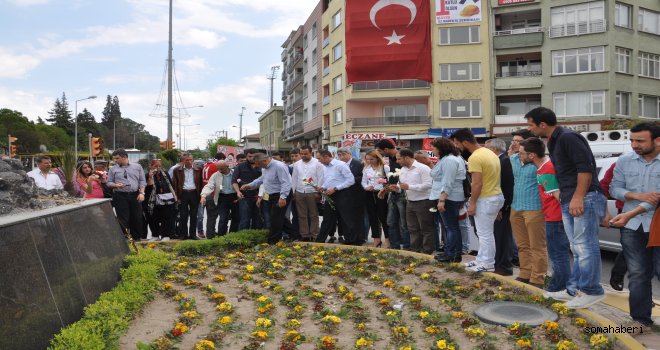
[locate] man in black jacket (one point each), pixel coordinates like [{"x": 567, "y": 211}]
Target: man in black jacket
[
  {"x": 503, "y": 235},
  {"x": 357, "y": 193}
]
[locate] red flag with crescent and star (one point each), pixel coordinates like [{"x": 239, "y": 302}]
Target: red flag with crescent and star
[{"x": 388, "y": 40}]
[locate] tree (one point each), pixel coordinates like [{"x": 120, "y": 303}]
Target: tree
[
  {"x": 40, "y": 121},
  {"x": 212, "y": 145},
  {"x": 111, "y": 112},
  {"x": 60, "y": 115}
]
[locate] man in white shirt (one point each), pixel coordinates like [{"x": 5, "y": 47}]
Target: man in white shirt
[
  {"x": 44, "y": 177},
  {"x": 416, "y": 180},
  {"x": 306, "y": 195}
]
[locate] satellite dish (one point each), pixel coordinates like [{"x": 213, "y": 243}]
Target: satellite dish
[{"x": 43, "y": 148}]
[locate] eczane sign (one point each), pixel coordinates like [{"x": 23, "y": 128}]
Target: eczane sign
[{"x": 365, "y": 136}]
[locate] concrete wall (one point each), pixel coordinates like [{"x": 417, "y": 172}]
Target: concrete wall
[{"x": 55, "y": 262}]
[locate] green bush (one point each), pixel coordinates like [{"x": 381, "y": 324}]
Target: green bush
[
  {"x": 105, "y": 321},
  {"x": 236, "y": 240}
]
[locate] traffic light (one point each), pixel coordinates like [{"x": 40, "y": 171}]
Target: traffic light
[
  {"x": 97, "y": 146},
  {"x": 12, "y": 146},
  {"x": 172, "y": 144},
  {"x": 13, "y": 151},
  {"x": 163, "y": 145}
]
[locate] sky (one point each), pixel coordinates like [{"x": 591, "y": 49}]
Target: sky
[{"x": 223, "y": 52}]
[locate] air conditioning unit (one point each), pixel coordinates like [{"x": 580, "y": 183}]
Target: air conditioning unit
[
  {"x": 609, "y": 135},
  {"x": 326, "y": 134}
]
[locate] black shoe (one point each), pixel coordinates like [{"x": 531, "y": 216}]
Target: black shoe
[
  {"x": 616, "y": 281},
  {"x": 515, "y": 262},
  {"x": 331, "y": 239},
  {"x": 503, "y": 272},
  {"x": 523, "y": 280},
  {"x": 448, "y": 259},
  {"x": 473, "y": 253},
  {"x": 341, "y": 240}
]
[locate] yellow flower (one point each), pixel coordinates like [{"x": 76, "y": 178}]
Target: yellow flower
[
  {"x": 293, "y": 323},
  {"x": 424, "y": 276},
  {"x": 225, "y": 307},
  {"x": 263, "y": 299},
  {"x": 432, "y": 330},
  {"x": 331, "y": 319},
  {"x": 580, "y": 322},
  {"x": 389, "y": 284},
  {"x": 475, "y": 332},
  {"x": 361, "y": 326},
  {"x": 247, "y": 277},
  {"x": 298, "y": 308},
  {"x": 317, "y": 295},
  {"x": 457, "y": 314},
  {"x": 217, "y": 296},
  {"x": 225, "y": 320},
  {"x": 180, "y": 296},
  {"x": 415, "y": 299},
  {"x": 550, "y": 326},
  {"x": 560, "y": 308},
  {"x": 400, "y": 330},
  {"x": 598, "y": 339},
  {"x": 265, "y": 284},
  {"x": 384, "y": 301},
  {"x": 263, "y": 322},
  {"x": 441, "y": 344},
  {"x": 363, "y": 260},
  {"x": 191, "y": 314},
  {"x": 219, "y": 278},
  {"x": 328, "y": 339},
  {"x": 167, "y": 286},
  {"x": 363, "y": 343},
  {"x": 260, "y": 334},
  {"x": 423, "y": 314},
  {"x": 204, "y": 345},
  {"x": 405, "y": 348},
  {"x": 249, "y": 268},
  {"x": 566, "y": 345},
  {"x": 524, "y": 342},
  {"x": 193, "y": 272}
]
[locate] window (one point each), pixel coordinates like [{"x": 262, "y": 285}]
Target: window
[
  {"x": 314, "y": 83},
  {"x": 649, "y": 21},
  {"x": 623, "y": 103},
  {"x": 304, "y": 90},
  {"x": 581, "y": 103},
  {"x": 336, "y": 19},
  {"x": 336, "y": 114},
  {"x": 578, "y": 19},
  {"x": 622, "y": 15},
  {"x": 336, "y": 84},
  {"x": 305, "y": 114},
  {"x": 649, "y": 65},
  {"x": 517, "y": 106},
  {"x": 315, "y": 59},
  {"x": 460, "y": 71},
  {"x": 584, "y": 60},
  {"x": 460, "y": 109},
  {"x": 405, "y": 111},
  {"x": 623, "y": 60},
  {"x": 305, "y": 41},
  {"x": 305, "y": 66},
  {"x": 459, "y": 35},
  {"x": 314, "y": 31},
  {"x": 520, "y": 68},
  {"x": 336, "y": 52},
  {"x": 649, "y": 106},
  {"x": 314, "y": 110}
]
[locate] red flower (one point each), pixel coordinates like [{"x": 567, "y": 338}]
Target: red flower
[
  {"x": 176, "y": 332},
  {"x": 310, "y": 180}
]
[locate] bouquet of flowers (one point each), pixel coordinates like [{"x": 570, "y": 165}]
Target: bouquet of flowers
[
  {"x": 393, "y": 177},
  {"x": 324, "y": 197}
]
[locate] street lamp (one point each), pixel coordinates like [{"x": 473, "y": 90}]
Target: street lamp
[
  {"x": 240, "y": 135},
  {"x": 184, "y": 134},
  {"x": 75, "y": 136},
  {"x": 240, "y": 127}
]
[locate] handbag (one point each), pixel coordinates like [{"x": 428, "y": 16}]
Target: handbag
[
  {"x": 164, "y": 198},
  {"x": 467, "y": 185}
]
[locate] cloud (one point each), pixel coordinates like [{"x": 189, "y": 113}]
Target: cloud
[
  {"x": 16, "y": 65},
  {"x": 28, "y": 2},
  {"x": 196, "y": 63},
  {"x": 128, "y": 78}
]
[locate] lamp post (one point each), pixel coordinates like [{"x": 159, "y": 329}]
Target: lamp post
[
  {"x": 184, "y": 134},
  {"x": 240, "y": 127},
  {"x": 75, "y": 136}
]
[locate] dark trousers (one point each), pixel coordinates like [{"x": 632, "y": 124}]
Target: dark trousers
[
  {"x": 503, "y": 243},
  {"x": 344, "y": 210},
  {"x": 162, "y": 221},
  {"x": 619, "y": 267},
  {"x": 377, "y": 213},
  {"x": 188, "y": 211},
  {"x": 278, "y": 221},
  {"x": 129, "y": 212},
  {"x": 249, "y": 215},
  {"x": 451, "y": 230},
  {"x": 227, "y": 208},
  {"x": 211, "y": 217},
  {"x": 642, "y": 262}
]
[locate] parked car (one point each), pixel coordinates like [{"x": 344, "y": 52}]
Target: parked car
[{"x": 608, "y": 237}]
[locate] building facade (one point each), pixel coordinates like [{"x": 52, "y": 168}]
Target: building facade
[
  {"x": 593, "y": 62},
  {"x": 271, "y": 127}
]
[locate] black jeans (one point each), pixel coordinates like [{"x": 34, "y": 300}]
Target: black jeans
[
  {"x": 162, "y": 221},
  {"x": 278, "y": 221},
  {"x": 129, "y": 212},
  {"x": 250, "y": 215},
  {"x": 344, "y": 210},
  {"x": 188, "y": 211},
  {"x": 227, "y": 208},
  {"x": 377, "y": 213},
  {"x": 503, "y": 243}
]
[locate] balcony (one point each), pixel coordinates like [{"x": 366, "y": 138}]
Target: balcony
[
  {"x": 391, "y": 121},
  {"x": 296, "y": 128},
  {"x": 326, "y": 100},
  {"x": 578, "y": 28},
  {"x": 297, "y": 103},
  {"x": 326, "y": 42},
  {"x": 294, "y": 83},
  {"x": 326, "y": 70},
  {"x": 515, "y": 38},
  {"x": 390, "y": 85},
  {"x": 519, "y": 80}
]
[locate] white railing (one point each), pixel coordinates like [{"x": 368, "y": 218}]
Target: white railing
[
  {"x": 578, "y": 28},
  {"x": 518, "y": 31}
]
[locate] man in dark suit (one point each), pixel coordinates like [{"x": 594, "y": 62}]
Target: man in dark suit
[
  {"x": 357, "y": 193},
  {"x": 503, "y": 235}
]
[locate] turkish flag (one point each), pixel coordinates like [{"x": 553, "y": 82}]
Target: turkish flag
[{"x": 388, "y": 40}]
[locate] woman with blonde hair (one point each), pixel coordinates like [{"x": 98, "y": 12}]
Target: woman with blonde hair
[
  {"x": 87, "y": 183},
  {"x": 374, "y": 176}
]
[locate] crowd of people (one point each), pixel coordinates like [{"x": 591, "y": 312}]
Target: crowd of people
[{"x": 531, "y": 204}]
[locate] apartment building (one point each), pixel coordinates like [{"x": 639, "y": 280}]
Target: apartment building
[
  {"x": 590, "y": 61},
  {"x": 271, "y": 125}
]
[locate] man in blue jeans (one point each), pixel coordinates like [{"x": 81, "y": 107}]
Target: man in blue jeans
[
  {"x": 583, "y": 205},
  {"x": 636, "y": 181},
  {"x": 532, "y": 150}
]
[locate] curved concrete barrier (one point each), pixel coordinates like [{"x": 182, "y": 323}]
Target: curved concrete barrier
[{"x": 55, "y": 262}]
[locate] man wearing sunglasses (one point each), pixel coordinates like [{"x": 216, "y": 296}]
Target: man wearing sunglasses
[{"x": 127, "y": 182}]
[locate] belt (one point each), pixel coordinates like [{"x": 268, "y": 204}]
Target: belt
[
  {"x": 125, "y": 193},
  {"x": 189, "y": 190}
]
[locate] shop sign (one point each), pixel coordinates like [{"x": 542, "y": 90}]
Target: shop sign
[
  {"x": 365, "y": 136},
  {"x": 511, "y": 2},
  {"x": 457, "y": 11}
]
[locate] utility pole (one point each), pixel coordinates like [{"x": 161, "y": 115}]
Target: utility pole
[
  {"x": 240, "y": 126},
  {"x": 169, "y": 82},
  {"x": 271, "y": 77}
]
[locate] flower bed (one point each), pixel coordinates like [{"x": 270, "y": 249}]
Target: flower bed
[{"x": 327, "y": 297}]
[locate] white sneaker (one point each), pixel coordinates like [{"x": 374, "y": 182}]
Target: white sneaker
[
  {"x": 165, "y": 239},
  {"x": 582, "y": 300},
  {"x": 480, "y": 268},
  {"x": 469, "y": 264},
  {"x": 561, "y": 295}
]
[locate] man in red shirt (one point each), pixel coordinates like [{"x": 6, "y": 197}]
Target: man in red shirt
[{"x": 532, "y": 150}]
